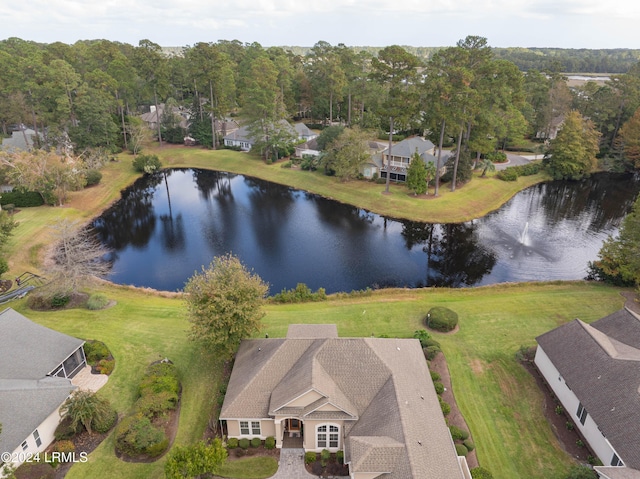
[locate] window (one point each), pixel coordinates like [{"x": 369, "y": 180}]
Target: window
[
  {"x": 615, "y": 461},
  {"x": 254, "y": 430},
  {"x": 24, "y": 446},
  {"x": 582, "y": 414},
  {"x": 332, "y": 439},
  {"x": 36, "y": 436}
]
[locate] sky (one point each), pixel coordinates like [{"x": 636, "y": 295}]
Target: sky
[{"x": 427, "y": 23}]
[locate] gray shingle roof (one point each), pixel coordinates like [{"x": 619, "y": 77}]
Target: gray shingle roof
[
  {"x": 27, "y": 396},
  {"x": 24, "y": 404},
  {"x": 34, "y": 350},
  {"x": 385, "y": 383},
  {"x": 407, "y": 147},
  {"x": 601, "y": 364}
]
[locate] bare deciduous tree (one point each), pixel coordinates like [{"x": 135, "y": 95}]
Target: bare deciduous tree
[{"x": 78, "y": 258}]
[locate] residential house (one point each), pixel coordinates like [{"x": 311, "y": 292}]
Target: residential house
[
  {"x": 152, "y": 117},
  {"x": 594, "y": 370},
  {"x": 243, "y": 139},
  {"x": 372, "y": 167},
  {"x": 373, "y": 398},
  {"x": 36, "y": 367},
  {"x": 398, "y": 161},
  {"x": 303, "y": 132},
  {"x": 21, "y": 140}
]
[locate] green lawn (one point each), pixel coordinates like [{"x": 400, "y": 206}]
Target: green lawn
[
  {"x": 259, "y": 467},
  {"x": 499, "y": 400}
]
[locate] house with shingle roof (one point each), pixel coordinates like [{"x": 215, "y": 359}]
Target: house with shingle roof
[
  {"x": 245, "y": 140},
  {"x": 36, "y": 367},
  {"x": 373, "y": 398},
  {"x": 594, "y": 370},
  {"x": 397, "y": 162}
]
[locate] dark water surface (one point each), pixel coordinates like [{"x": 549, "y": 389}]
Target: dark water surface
[{"x": 167, "y": 225}]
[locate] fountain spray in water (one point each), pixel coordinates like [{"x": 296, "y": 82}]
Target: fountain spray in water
[{"x": 523, "y": 236}]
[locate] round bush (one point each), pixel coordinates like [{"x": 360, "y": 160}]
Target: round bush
[
  {"x": 95, "y": 351},
  {"x": 439, "y": 387},
  {"x": 105, "y": 366},
  {"x": 468, "y": 443},
  {"x": 243, "y": 443},
  {"x": 97, "y": 301},
  {"x": 309, "y": 457},
  {"x": 255, "y": 442},
  {"x": 458, "y": 434},
  {"x": 270, "y": 442},
  {"x": 461, "y": 450},
  {"x": 481, "y": 473},
  {"x": 93, "y": 177},
  {"x": 446, "y": 409},
  {"x": 104, "y": 424},
  {"x": 64, "y": 446},
  {"x": 340, "y": 457},
  {"x": 435, "y": 376},
  {"x": 441, "y": 319}
]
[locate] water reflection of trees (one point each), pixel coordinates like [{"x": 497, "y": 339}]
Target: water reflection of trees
[
  {"x": 213, "y": 184},
  {"x": 340, "y": 215},
  {"x": 173, "y": 235},
  {"x": 599, "y": 202},
  {"x": 455, "y": 256},
  {"x": 270, "y": 205},
  {"x": 131, "y": 221}
]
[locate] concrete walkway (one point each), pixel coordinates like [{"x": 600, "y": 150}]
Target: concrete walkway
[{"x": 291, "y": 465}]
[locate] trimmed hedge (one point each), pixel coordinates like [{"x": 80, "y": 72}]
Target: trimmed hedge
[
  {"x": 255, "y": 442},
  {"x": 270, "y": 442},
  {"x": 441, "y": 319},
  {"x": 232, "y": 443},
  {"x": 244, "y": 443},
  {"x": 481, "y": 473},
  {"x": 22, "y": 199},
  {"x": 309, "y": 457},
  {"x": 458, "y": 434},
  {"x": 468, "y": 443},
  {"x": 461, "y": 450}
]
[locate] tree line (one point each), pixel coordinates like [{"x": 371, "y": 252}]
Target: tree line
[{"x": 88, "y": 97}]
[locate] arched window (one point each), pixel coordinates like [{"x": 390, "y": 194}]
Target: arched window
[{"x": 328, "y": 436}]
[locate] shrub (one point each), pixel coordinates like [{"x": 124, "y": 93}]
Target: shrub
[
  {"x": 508, "y": 174},
  {"x": 59, "y": 300},
  {"x": 92, "y": 177},
  {"x": 324, "y": 457},
  {"x": 160, "y": 377},
  {"x": 468, "y": 443},
  {"x": 579, "y": 443},
  {"x": 105, "y": 423},
  {"x": 64, "y": 446},
  {"x": 580, "y": 471},
  {"x": 423, "y": 336},
  {"x": 136, "y": 435},
  {"x": 243, "y": 443},
  {"x": 559, "y": 410},
  {"x": 431, "y": 352},
  {"x": 446, "y": 409},
  {"x": 157, "y": 403},
  {"x": 97, "y": 301},
  {"x": 302, "y": 293},
  {"x": 146, "y": 163},
  {"x": 287, "y": 164},
  {"x": 22, "y": 199},
  {"x": 435, "y": 376},
  {"x": 461, "y": 450},
  {"x": 441, "y": 319},
  {"x": 82, "y": 407},
  {"x": 65, "y": 430},
  {"x": 95, "y": 351},
  {"x": 309, "y": 457},
  {"x": 569, "y": 425},
  {"x": 497, "y": 157},
  {"x": 270, "y": 442},
  {"x": 458, "y": 434},
  {"x": 439, "y": 387},
  {"x": 105, "y": 366},
  {"x": 255, "y": 442},
  {"x": 232, "y": 443},
  {"x": 481, "y": 473},
  {"x": 4, "y": 266},
  {"x": 340, "y": 457}
]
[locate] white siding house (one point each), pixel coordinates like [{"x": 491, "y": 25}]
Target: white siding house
[{"x": 594, "y": 370}]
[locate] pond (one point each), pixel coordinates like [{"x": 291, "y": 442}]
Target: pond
[{"x": 168, "y": 225}]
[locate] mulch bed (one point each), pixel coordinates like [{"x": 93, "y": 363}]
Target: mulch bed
[
  {"x": 333, "y": 468},
  {"x": 239, "y": 453},
  {"x": 84, "y": 442}
]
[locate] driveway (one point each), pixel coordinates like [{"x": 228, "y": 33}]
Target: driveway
[{"x": 514, "y": 160}]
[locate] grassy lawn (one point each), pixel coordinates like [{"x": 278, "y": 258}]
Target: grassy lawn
[
  {"x": 250, "y": 468},
  {"x": 498, "y": 398}
]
